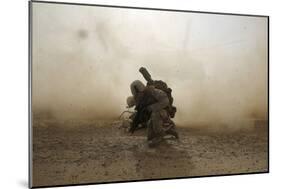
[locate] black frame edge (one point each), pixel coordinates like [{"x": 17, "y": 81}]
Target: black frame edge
[
  {"x": 268, "y": 92},
  {"x": 147, "y": 8},
  {"x": 30, "y": 144}
]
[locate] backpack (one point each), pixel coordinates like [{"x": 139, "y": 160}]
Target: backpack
[{"x": 161, "y": 85}]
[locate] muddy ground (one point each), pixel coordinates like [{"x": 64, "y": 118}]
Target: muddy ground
[{"x": 73, "y": 152}]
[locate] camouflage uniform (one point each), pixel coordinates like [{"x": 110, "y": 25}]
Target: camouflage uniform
[
  {"x": 151, "y": 104},
  {"x": 156, "y": 122}
]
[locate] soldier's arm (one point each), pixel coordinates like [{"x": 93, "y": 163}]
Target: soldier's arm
[{"x": 161, "y": 98}]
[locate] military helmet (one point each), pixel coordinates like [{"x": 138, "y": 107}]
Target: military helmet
[{"x": 136, "y": 87}]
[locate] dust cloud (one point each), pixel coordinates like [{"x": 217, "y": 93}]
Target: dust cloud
[{"x": 84, "y": 59}]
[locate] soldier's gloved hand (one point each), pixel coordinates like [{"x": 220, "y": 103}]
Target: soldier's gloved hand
[{"x": 142, "y": 69}]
